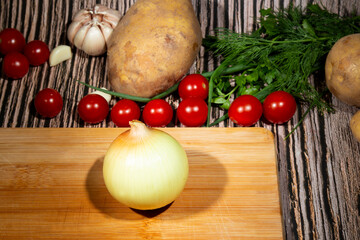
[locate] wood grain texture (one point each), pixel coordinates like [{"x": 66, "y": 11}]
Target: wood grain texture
[
  {"x": 51, "y": 187},
  {"x": 318, "y": 165}
]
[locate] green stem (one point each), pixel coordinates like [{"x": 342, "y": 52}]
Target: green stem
[
  {"x": 261, "y": 95},
  {"x": 167, "y": 92},
  {"x": 301, "y": 120},
  {"x": 211, "y": 89},
  {"x": 232, "y": 91},
  {"x": 220, "y": 119},
  {"x": 218, "y": 71},
  {"x": 230, "y": 70},
  {"x": 130, "y": 97},
  {"x": 296, "y": 41}
]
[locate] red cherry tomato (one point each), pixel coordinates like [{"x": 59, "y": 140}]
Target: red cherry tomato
[
  {"x": 245, "y": 110},
  {"x": 11, "y": 40},
  {"x": 93, "y": 108},
  {"x": 279, "y": 107},
  {"x": 124, "y": 111},
  {"x": 48, "y": 102},
  {"x": 194, "y": 85},
  {"x": 15, "y": 65},
  {"x": 192, "y": 112},
  {"x": 37, "y": 52},
  {"x": 157, "y": 113}
]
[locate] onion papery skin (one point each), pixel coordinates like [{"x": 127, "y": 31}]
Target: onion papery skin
[{"x": 145, "y": 168}]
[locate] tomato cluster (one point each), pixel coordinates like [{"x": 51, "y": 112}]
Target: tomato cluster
[
  {"x": 246, "y": 110},
  {"x": 94, "y": 108},
  {"x": 19, "y": 55},
  {"x": 278, "y": 107},
  {"x": 192, "y": 110}
]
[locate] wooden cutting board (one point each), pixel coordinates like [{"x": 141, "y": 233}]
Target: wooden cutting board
[{"x": 51, "y": 187}]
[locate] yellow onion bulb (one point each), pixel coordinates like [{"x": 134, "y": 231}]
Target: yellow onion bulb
[{"x": 145, "y": 168}]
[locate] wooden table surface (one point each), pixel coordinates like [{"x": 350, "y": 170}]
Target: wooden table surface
[{"x": 318, "y": 165}]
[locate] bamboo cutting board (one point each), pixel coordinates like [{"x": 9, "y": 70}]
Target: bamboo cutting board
[{"x": 51, "y": 187}]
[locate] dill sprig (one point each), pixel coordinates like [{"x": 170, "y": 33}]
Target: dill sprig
[{"x": 286, "y": 49}]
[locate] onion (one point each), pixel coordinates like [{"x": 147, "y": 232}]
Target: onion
[{"x": 145, "y": 168}]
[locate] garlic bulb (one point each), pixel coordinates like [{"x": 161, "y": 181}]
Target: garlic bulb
[
  {"x": 91, "y": 28},
  {"x": 145, "y": 168}
]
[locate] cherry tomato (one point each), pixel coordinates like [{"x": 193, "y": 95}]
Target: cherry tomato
[
  {"x": 279, "y": 107},
  {"x": 15, "y": 65},
  {"x": 157, "y": 113},
  {"x": 194, "y": 85},
  {"x": 11, "y": 40},
  {"x": 124, "y": 111},
  {"x": 37, "y": 52},
  {"x": 192, "y": 112},
  {"x": 93, "y": 108},
  {"x": 48, "y": 102},
  {"x": 245, "y": 110}
]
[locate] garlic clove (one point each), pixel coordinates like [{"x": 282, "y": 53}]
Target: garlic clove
[
  {"x": 100, "y": 9},
  {"x": 112, "y": 19},
  {"x": 73, "y": 29},
  {"x": 106, "y": 31},
  {"x": 59, "y": 54},
  {"x": 107, "y": 15},
  {"x": 80, "y": 35},
  {"x": 82, "y": 15},
  {"x": 111, "y": 16},
  {"x": 94, "y": 42},
  {"x": 113, "y": 13}
]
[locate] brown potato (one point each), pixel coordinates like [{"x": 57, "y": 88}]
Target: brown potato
[
  {"x": 342, "y": 69},
  {"x": 355, "y": 125},
  {"x": 153, "y": 46}
]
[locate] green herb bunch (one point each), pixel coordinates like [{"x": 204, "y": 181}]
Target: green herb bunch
[{"x": 288, "y": 46}]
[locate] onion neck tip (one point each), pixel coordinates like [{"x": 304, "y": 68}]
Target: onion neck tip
[{"x": 138, "y": 128}]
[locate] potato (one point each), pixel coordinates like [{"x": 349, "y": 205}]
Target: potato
[
  {"x": 355, "y": 125},
  {"x": 153, "y": 46},
  {"x": 342, "y": 69}
]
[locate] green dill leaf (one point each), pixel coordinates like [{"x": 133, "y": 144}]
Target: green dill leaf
[
  {"x": 270, "y": 76},
  {"x": 252, "y": 77},
  {"x": 307, "y": 27}
]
